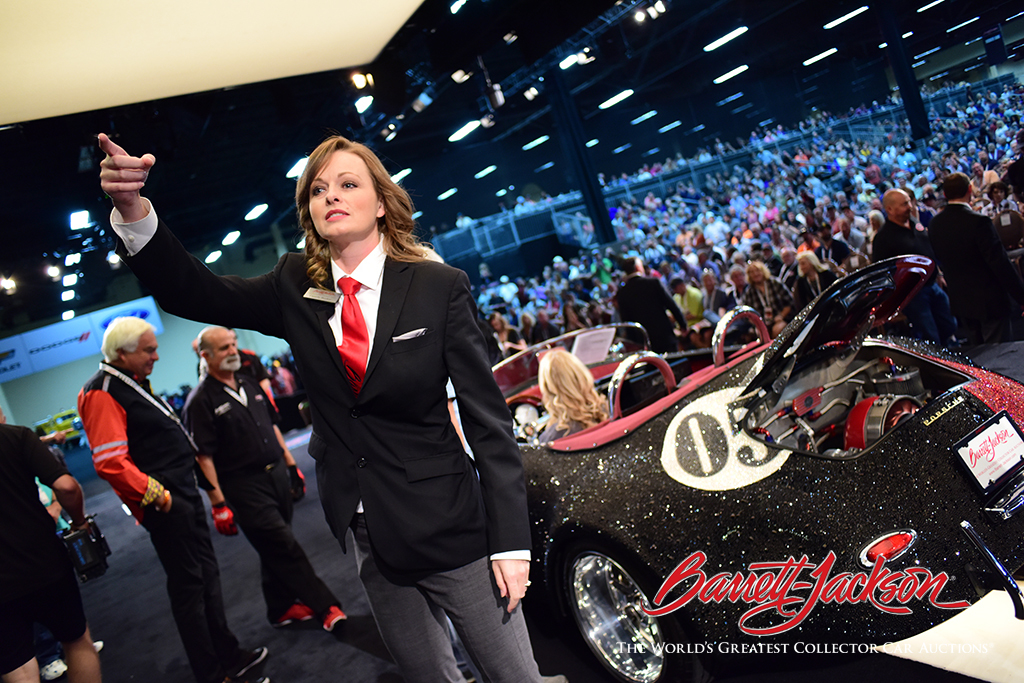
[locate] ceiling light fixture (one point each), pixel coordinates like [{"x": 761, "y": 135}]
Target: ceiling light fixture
[
  {"x": 846, "y": 17},
  {"x": 485, "y": 172},
  {"x": 929, "y": 6},
  {"x": 592, "y": 143},
  {"x": 666, "y": 128},
  {"x": 925, "y": 54},
  {"x": 363, "y": 103},
  {"x": 534, "y": 143},
  {"x": 296, "y": 170},
  {"x": 464, "y": 131},
  {"x": 255, "y": 212},
  {"x": 446, "y": 194},
  {"x": 730, "y": 74},
  {"x": 643, "y": 117},
  {"x": 397, "y": 178},
  {"x": 623, "y": 148},
  {"x": 819, "y": 57},
  {"x": 735, "y": 33},
  {"x": 69, "y": 280},
  {"x": 214, "y": 255},
  {"x": 456, "y": 6},
  {"x": 461, "y": 76},
  {"x": 79, "y": 220},
  {"x": 611, "y": 102},
  {"x": 67, "y": 295},
  {"x": 231, "y": 237},
  {"x": 961, "y": 25},
  {"x": 67, "y": 315},
  {"x": 53, "y": 272}
]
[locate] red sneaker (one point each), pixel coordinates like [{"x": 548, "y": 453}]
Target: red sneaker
[
  {"x": 297, "y": 612},
  {"x": 333, "y": 616}
]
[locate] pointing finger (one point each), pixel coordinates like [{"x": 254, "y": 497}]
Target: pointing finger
[{"x": 109, "y": 147}]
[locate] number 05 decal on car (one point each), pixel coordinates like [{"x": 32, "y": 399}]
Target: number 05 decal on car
[{"x": 702, "y": 452}]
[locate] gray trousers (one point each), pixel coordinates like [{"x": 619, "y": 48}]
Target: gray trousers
[{"x": 412, "y": 622}]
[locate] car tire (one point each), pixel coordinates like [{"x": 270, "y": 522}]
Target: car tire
[{"x": 604, "y": 596}]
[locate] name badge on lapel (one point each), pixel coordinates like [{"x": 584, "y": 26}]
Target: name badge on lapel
[
  {"x": 322, "y": 295},
  {"x": 222, "y": 408}
]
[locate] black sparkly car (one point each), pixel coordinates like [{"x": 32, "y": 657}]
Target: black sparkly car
[{"x": 830, "y": 486}]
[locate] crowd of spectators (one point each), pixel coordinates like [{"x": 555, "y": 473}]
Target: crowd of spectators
[{"x": 771, "y": 232}]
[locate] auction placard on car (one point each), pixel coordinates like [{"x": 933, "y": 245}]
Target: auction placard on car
[{"x": 992, "y": 450}]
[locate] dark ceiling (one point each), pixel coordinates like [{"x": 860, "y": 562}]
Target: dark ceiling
[{"x": 220, "y": 153}]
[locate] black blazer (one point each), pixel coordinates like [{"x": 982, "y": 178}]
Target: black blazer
[
  {"x": 643, "y": 300},
  {"x": 978, "y": 272},
  {"x": 393, "y": 446}
]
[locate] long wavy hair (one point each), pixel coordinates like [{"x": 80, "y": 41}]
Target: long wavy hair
[
  {"x": 567, "y": 390},
  {"x": 395, "y": 226}
]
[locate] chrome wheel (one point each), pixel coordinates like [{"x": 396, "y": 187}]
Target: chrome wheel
[{"x": 606, "y": 602}]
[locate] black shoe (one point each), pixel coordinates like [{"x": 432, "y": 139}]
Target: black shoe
[{"x": 247, "y": 662}]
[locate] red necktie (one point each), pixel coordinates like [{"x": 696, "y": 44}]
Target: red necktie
[{"x": 355, "y": 342}]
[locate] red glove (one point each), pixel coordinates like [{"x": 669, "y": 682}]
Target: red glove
[{"x": 224, "y": 519}]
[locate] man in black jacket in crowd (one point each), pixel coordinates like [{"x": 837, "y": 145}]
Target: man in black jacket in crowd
[
  {"x": 979, "y": 274},
  {"x": 643, "y": 300}
]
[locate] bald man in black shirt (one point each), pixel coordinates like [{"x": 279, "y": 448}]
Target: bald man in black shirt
[
  {"x": 241, "y": 454},
  {"x": 900, "y": 235}
]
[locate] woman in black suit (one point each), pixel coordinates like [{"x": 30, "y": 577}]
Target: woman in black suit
[{"x": 376, "y": 330}]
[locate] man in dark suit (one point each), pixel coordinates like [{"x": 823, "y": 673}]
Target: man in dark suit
[
  {"x": 643, "y": 300},
  {"x": 376, "y": 330},
  {"x": 979, "y": 274}
]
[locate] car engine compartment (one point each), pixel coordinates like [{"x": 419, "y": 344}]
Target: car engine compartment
[{"x": 839, "y": 405}]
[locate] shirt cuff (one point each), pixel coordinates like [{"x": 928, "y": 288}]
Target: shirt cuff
[
  {"x": 154, "y": 492},
  {"x": 135, "y": 235},
  {"x": 512, "y": 555}
]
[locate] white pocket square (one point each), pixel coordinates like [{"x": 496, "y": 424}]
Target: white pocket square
[{"x": 412, "y": 334}]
